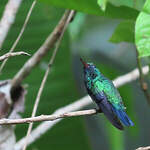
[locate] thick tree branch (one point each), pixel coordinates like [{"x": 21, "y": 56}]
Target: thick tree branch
[
  {"x": 35, "y": 59},
  {"x": 143, "y": 84},
  {"x": 7, "y": 55},
  {"x": 20, "y": 34},
  {"x": 8, "y": 18}
]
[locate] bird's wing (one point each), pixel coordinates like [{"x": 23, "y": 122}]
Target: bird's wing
[
  {"x": 107, "y": 109},
  {"x": 115, "y": 100},
  {"x": 112, "y": 94}
]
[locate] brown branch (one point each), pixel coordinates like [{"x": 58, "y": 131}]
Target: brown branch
[
  {"x": 47, "y": 117},
  {"x": 7, "y": 55},
  {"x": 20, "y": 34},
  {"x": 143, "y": 84},
  {"x": 35, "y": 59},
  {"x": 46, "y": 75}
]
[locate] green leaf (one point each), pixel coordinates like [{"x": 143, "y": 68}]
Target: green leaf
[
  {"x": 102, "y": 4},
  {"x": 91, "y": 7},
  {"x": 136, "y": 4},
  {"x": 124, "y": 32},
  {"x": 147, "y": 7},
  {"x": 142, "y": 31}
]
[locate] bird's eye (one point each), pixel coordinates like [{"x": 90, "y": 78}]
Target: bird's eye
[{"x": 93, "y": 75}]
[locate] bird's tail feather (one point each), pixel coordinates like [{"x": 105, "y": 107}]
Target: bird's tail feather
[
  {"x": 106, "y": 108},
  {"x": 123, "y": 117}
]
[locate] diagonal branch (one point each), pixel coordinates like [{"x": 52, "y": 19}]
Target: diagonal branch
[
  {"x": 20, "y": 34},
  {"x": 42, "y": 51},
  {"x": 46, "y": 75}
]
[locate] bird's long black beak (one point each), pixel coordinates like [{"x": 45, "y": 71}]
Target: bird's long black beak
[{"x": 84, "y": 63}]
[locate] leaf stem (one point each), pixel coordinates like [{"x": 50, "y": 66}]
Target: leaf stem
[{"x": 143, "y": 84}]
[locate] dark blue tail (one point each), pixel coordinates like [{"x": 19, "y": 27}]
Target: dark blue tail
[
  {"x": 121, "y": 114},
  {"x": 106, "y": 108}
]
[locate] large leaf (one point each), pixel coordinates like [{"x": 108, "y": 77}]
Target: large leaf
[
  {"x": 124, "y": 32},
  {"x": 142, "y": 31},
  {"x": 91, "y": 7}
]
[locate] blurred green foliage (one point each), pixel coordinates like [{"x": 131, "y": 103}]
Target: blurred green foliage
[
  {"x": 124, "y": 32},
  {"x": 133, "y": 4},
  {"x": 91, "y": 7}
]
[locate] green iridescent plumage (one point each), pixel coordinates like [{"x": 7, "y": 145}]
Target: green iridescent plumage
[{"x": 106, "y": 96}]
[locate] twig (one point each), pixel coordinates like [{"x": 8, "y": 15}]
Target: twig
[
  {"x": 47, "y": 117},
  {"x": 35, "y": 59},
  {"x": 7, "y": 55},
  {"x": 20, "y": 34},
  {"x": 8, "y": 18},
  {"x": 143, "y": 84},
  {"x": 143, "y": 148},
  {"x": 45, "y": 126},
  {"x": 46, "y": 75}
]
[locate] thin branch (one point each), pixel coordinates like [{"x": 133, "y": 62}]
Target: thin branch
[
  {"x": 48, "y": 117},
  {"x": 46, "y": 75},
  {"x": 8, "y": 18},
  {"x": 35, "y": 59},
  {"x": 143, "y": 148},
  {"x": 7, "y": 55},
  {"x": 20, "y": 34},
  {"x": 143, "y": 84},
  {"x": 77, "y": 105}
]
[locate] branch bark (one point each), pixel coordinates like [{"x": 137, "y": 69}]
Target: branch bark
[
  {"x": 8, "y": 18},
  {"x": 48, "y": 117}
]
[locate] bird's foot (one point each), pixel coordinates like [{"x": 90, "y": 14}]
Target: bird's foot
[{"x": 98, "y": 110}]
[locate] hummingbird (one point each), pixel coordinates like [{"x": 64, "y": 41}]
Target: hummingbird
[{"x": 105, "y": 95}]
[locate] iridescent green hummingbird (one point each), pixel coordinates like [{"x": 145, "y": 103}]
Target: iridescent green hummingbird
[{"x": 105, "y": 95}]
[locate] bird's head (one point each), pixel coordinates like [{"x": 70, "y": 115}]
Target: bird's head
[{"x": 90, "y": 69}]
